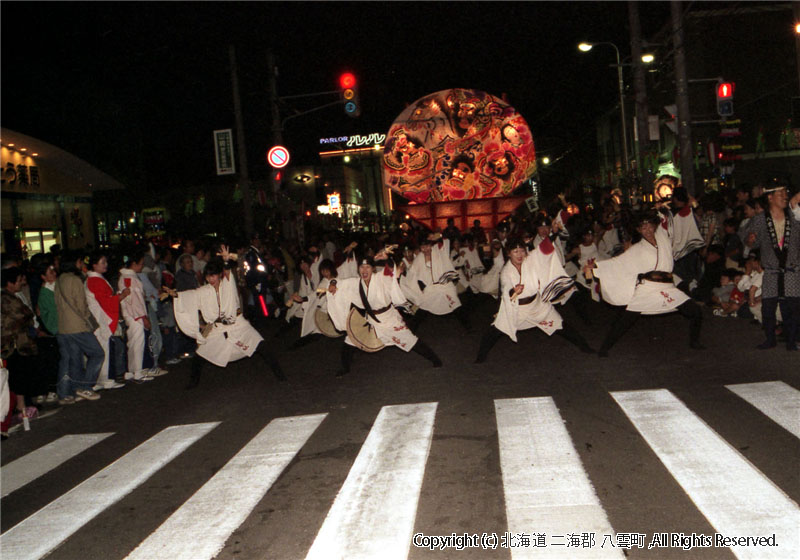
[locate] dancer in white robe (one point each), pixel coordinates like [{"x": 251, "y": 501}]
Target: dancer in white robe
[
  {"x": 377, "y": 293},
  {"x": 530, "y": 286},
  {"x": 308, "y": 284},
  {"x": 640, "y": 282},
  {"x": 434, "y": 274},
  {"x": 225, "y": 336},
  {"x": 432, "y": 279},
  {"x": 317, "y": 303}
]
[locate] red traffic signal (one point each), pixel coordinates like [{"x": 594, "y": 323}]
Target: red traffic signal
[
  {"x": 724, "y": 90},
  {"x": 347, "y": 80},
  {"x": 349, "y": 93}
]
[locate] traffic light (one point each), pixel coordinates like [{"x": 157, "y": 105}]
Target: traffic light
[
  {"x": 725, "y": 99},
  {"x": 349, "y": 87}
]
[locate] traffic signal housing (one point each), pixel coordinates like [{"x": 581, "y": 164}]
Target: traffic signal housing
[
  {"x": 725, "y": 99},
  {"x": 349, "y": 87}
]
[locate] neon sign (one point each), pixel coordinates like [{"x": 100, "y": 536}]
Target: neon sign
[{"x": 356, "y": 140}]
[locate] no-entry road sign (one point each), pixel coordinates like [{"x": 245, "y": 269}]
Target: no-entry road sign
[{"x": 278, "y": 157}]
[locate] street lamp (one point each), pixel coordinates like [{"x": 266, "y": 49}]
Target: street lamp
[{"x": 586, "y": 47}]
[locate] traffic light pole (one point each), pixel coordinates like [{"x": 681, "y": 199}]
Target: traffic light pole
[
  {"x": 277, "y": 125},
  {"x": 244, "y": 175}
]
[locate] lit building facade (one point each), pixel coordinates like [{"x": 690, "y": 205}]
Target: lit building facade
[{"x": 46, "y": 196}]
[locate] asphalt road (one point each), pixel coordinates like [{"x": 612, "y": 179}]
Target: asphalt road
[{"x": 613, "y": 471}]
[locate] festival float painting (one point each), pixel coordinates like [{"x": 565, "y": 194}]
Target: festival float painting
[{"x": 458, "y": 144}]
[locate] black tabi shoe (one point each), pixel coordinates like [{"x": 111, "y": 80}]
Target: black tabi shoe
[
  {"x": 766, "y": 345},
  {"x": 342, "y": 373}
]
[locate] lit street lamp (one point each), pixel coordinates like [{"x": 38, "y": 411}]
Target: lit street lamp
[{"x": 586, "y": 47}]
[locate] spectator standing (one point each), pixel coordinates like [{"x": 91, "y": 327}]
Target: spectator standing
[
  {"x": 134, "y": 311},
  {"x": 104, "y": 305},
  {"x": 776, "y": 234},
  {"x": 75, "y": 338}
]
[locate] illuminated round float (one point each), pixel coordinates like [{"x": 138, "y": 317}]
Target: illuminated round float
[{"x": 459, "y": 146}]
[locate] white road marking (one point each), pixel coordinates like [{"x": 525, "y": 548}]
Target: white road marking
[
  {"x": 37, "y": 463},
  {"x": 546, "y": 487},
  {"x": 776, "y": 399},
  {"x": 200, "y": 527},
  {"x": 53, "y": 524},
  {"x": 735, "y": 497},
  {"x": 373, "y": 514}
]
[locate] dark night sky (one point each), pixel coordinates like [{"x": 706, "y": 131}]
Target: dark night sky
[{"x": 137, "y": 88}]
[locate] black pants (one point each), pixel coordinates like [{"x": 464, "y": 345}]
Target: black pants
[
  {"x": 580, "y": 302},
  {"x": 625, "y": 319},
  {"x": 461, "y": 314},
  {"x": 420, "y": 348},
  {"x": 790, "y": 312},
  {"x": 493, "y": 335},
  {"x": 262, "y": 351}
]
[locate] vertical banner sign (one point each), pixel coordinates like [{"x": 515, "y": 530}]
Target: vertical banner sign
[{"x": 223, "y": 150}]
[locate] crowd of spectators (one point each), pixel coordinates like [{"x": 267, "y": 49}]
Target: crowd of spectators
[{"x": 104, "y": 316}]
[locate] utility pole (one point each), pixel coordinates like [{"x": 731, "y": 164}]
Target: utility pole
[
  {"x": 682, "y": 100},
  {"x": 277, "y": 125},
  {"x": 796, "y": 8},
  {"x": 640, "y": 93},
  {"x": 244, "y": 176}
]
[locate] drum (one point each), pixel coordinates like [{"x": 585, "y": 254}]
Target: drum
[
  {"x": 325, "y": 325},
  {"x": 361, "y": 333}
]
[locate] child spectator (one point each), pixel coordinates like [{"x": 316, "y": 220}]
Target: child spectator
[
  {"x": 728, "y": 296},
  {"x": 750, "y": 284}
]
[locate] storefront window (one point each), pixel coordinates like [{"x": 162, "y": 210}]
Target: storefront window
[{"x": 38, "y": 241}]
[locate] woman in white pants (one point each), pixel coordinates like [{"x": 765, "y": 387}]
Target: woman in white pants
[{"x": 134, "y": 311}]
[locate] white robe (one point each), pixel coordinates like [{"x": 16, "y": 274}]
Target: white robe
[
  {"x": 541, "y": 275},
  {"x": 348, "y": 269},
  {"x": 619, "y": 282},
  {"x": 383, "y": 290},
  {"x": 609, "y": 243},
  {"x": 315, "y": 301},
  {"x": 587, "y": 253},
  {"x": 460, "y": 264},
  {"x": 225, "y": 343},
  {"x": 489, "y": 281},
  {"x": 440, "y": 295},
  {"x": 474, "y": 268},
  {"x": 685, "y": 233},
  {"x": 306, "y": 291}
]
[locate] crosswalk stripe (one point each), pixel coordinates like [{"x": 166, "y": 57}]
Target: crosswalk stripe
[
  {"x": 50, "y": 526},
  {"x": 26, "y": 469},
  {"x": 545, "y": 484},
  {"x": 776, "y": 399},
  {"x": 200, "y": 527},
  {"x": 735, "y": 497},
  {"x": 373, "y": 514}
]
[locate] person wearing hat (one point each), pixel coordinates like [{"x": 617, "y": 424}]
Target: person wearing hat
[
  {"x": 377, "y": 293},
  {"x": 224, "y": 335},
  {"x": 531, "y": 283},
  {"x": 776, "y": 235},
  {"x": 432, "y": 279},
  {"x": 640, "y": 282}
]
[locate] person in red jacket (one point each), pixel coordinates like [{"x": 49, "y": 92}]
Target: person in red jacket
[{"x": 104, "y": 305}]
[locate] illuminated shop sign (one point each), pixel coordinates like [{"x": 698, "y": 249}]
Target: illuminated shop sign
[{"x": 356, "y": 140}]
